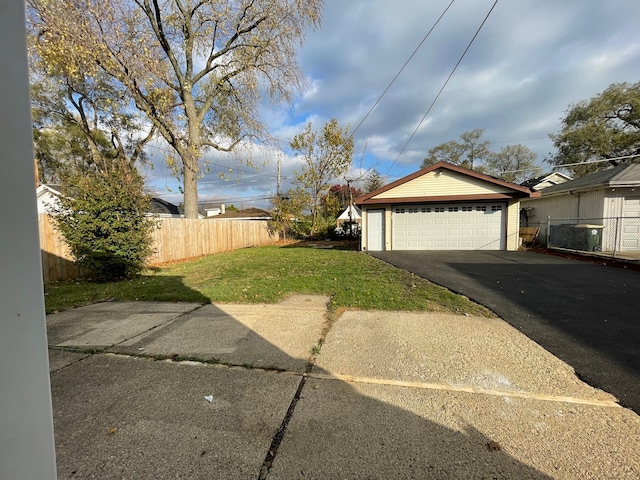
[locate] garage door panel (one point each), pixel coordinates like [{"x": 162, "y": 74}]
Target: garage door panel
[
  {"x": 449, "y": 227},
  {"x": 630, "y": 232}
]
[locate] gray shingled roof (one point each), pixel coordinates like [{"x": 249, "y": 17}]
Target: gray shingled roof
[
  {"x": 621, "y": 176},
  {"x": 250, "y": 212},
  {"x": 159, "y": 206}
]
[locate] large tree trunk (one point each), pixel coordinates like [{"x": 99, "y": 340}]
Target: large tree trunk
[
  {"x": 191, "y": 158},
  {"x": 190, "y": 187}
]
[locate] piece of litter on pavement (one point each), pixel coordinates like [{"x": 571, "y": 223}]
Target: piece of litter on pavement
[
  {"x": 209, "y": 398},
  {"x": 141, "y": 348},
  {"x": 493, "y": 445}
]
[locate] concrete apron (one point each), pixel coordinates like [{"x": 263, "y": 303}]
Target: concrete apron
[{"x": 156, "y": 390}]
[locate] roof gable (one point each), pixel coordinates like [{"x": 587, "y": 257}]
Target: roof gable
[
  {"x": 160, "y": 206},
  {"x": 447, "y": 182},
  {"x": 547, "y": 180},
  {"x": 352, "y": 212},
  {"x": 47, "y": 189}
]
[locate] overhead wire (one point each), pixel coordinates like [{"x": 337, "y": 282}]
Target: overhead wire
[
  {"x": 443, "y": 85},
  {"x": 402, "y": 69}
]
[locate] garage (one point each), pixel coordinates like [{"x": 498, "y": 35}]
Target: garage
[
  {"x": 443, "y": 207},
  {"x": 478, "y": 226}
]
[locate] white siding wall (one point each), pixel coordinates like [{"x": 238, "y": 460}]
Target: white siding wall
[
  {"x": 593, "y": 207},
  {"x": 615, "y": 200},
  {"x": 388, "y": 228},
  {"x": 565, "y": 206},
  {"x": 591, "y": 204}
]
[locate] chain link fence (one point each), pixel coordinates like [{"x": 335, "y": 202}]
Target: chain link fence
[{"x": 612, "y": 236}]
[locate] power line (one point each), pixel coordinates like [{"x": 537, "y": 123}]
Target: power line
[
  {"x": 401, "y": 70},
  {"x": 444, "y": 85},
  {"x": 626, "y": 157}
]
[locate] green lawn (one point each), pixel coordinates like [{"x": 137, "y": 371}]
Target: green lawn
[{"x": 267, "y": 275}]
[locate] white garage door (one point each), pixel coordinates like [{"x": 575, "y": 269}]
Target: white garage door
[
  {"x": 630, "y": 231},
  {"x": 477, "y": 226}
]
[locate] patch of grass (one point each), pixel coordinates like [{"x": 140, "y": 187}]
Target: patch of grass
[{"x": 269, "y": 274}]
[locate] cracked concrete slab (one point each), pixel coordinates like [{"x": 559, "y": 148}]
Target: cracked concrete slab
[
  {"x": 60, "y": 359},
  {"x": 279, "y": 336},
  {"x": 125, "y": 417},
  {"x": 109, "y": 323}
]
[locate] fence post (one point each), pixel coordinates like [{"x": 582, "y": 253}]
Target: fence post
[
  {"x": 616, "y": 239},
  {"x": 548, "y": 230}
]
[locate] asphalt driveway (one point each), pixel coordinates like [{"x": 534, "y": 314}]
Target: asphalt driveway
[{"x": 586, "y": 314}]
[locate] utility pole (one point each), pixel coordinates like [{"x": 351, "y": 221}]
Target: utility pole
[
  {"x": 278, "y": 184},
  {"x": 350, "y": 203}
]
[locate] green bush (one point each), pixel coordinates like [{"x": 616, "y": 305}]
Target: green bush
[{"x": 102, "y": 217}]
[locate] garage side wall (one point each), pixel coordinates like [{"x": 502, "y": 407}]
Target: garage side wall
[
  {"x": 513, "y": 225},
  {"x": 537, "y": 211},
  {"x": 590, "y": 206}
]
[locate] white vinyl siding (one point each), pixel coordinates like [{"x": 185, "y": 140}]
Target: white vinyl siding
[
  {"x": 473, "y": 226},
  {"x": 442, "y": 183}
]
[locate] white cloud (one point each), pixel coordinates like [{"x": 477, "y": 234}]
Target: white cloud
[{"x": 531, "y": 60}]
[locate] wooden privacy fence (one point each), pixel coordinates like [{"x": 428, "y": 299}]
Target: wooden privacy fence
[
  {"x": 174, "y": 239},
  {"x": 57, "y": 262},
  {"x": 179, "y": 238}
]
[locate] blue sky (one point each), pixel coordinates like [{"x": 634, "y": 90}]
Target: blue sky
[{"x": 530, "y": 61}]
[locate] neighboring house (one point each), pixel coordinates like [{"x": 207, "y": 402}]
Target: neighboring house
[
  {"x": 163, "y": 209},
  {"x": 47, "y": 197},
  {"x": 351, "y": 214},
  {"x": 246, "y": 214},
  {"x": 443, "y": 207},
  {"x": 610, "y": 198},
  {"x": 544, "y": 181},
  {"x": 213, "y": 211}
]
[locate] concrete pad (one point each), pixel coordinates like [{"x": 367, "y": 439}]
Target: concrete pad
[
  {"x": 110, "y": 323},
  {"x": 268, "y": 336},
  {"x": 363, "y": 431},
  {"x": 452, "y": 350},
  {"x": 125, "y": 417},
  {"x": 60, "y": 359}
]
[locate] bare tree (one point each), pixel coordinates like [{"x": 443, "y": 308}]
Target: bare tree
[{"x": 198, "y": 69}]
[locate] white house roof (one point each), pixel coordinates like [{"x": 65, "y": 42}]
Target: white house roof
[
  {"x": 356, "y": 214},
  {"x": 547, "y": 180},
  {"x": 47, "y": 197}
]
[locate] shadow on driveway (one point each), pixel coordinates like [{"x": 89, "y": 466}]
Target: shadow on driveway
[
  {"x": 586, "y": 314},
  {"x": 126, "y": 410}
]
